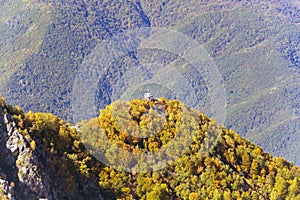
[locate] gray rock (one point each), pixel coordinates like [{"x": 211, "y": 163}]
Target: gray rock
[
  {"x": 19, "y": 155},
  {"x": 27, "y": 167}
]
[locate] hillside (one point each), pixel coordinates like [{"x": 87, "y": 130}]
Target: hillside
[
  {"x": 52, "y": 38},
  {"x": 254, "y": 44},
  {"x": 43, "y": 158},
  {"x": 191, "y": 156}
]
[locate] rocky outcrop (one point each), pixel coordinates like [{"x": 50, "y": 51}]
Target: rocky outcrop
[
  {"x": 18, "y": 157},
  {"x": 7, "y": 189},
  {"x": 32, "y": 168}
]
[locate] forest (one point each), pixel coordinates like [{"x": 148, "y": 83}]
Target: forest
[
  {"x": 254, "y": 44},
  {"x": 207, "y": 162}
]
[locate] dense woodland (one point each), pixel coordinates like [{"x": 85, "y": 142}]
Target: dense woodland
[
  {"x": 216, "y": 164},
  {"x": 44, "y": 43}
]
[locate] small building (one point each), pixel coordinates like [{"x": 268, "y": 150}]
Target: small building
[{"x": 148, "y": 96}]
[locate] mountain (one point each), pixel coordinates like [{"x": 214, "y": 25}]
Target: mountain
[
  {"x": 158, "y": 149},
  {"x": 54, "y": 37},
  {"x": 253, "y": 44},
  {"x": 42, "y": 157}
]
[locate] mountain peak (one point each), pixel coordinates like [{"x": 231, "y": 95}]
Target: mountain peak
[{"x": 142, "y": 149}]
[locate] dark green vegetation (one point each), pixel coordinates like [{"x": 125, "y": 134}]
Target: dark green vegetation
[
  {"x": 255, "y": 45},
  {"x": 233, "y": 169},
  {"x": 44, "y": 79}
]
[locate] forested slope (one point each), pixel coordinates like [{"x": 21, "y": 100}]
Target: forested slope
[
  {"x": 216, "y": 163},
  {"x": 71, "y": 29},
  {"x": 254, "y": 44}
]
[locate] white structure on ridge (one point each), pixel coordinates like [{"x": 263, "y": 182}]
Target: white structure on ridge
[{"x": 148, "y": 96}]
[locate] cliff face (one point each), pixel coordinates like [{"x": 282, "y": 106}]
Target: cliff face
[
  {"x": 29, "y": 171},
  {"x": 22, "y": 165}
]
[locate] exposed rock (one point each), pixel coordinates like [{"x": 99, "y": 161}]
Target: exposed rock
[
  {"x": 19, "y": 157},
  {"x": 31, "y": 171}
]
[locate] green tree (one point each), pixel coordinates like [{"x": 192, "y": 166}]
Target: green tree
[
  {"x": 280, "y": 189},
  {"x": 294, "y": 188}
]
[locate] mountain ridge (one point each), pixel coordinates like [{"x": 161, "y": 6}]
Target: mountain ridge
[
  {"x": 233, "y": 168},
  {"x": 255, "y": 46}
]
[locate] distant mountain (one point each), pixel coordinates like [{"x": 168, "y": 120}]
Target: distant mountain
[
  {"x": 65, "y": 32},
  {"x": 191, "y": 157},
  {"x": 254, "y": 44}
]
